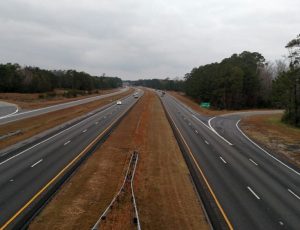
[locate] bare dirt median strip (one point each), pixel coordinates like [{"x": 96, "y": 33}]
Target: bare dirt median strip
[
  {"x": 32, "y": 126},
  {"x": 269, "y": 131},
  {"x": 165, "y": 195}
]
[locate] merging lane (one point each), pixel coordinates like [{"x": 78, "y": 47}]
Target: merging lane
[
  {"x": 255, "y": 190},
  {"x": 31, "y": 113},
  {"x": 27, "y": 174},
  {"x": 7, "y": 109}
]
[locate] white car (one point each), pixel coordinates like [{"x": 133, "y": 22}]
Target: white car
[{"x": 119, "y": 102}]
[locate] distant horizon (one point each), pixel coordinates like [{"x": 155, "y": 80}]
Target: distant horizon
[{"x": 132, "y": 39}]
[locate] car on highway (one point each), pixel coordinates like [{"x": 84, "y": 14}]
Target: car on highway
[{"x": 119, "y": 102}]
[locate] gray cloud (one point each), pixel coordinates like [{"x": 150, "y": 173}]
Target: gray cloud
[{"x": 138, "y": 38}]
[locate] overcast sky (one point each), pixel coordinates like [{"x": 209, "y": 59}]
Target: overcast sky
[{"x": 142, "y": 38}]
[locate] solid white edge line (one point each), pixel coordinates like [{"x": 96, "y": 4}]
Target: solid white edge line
[
  {"x": 3, "y": 162},
  {"x": 11, "y": 114},
  {"x": 253, "y": 162},
  {"x": 89, "y": 99},
  {"x": 210, "y": 123},
  {"x": 193, "y": 115},
  {"x": 257, "y": 197},
  {"x": 36, "y": 163},
  {"x": 237, "y": 126},
  {"x": 210, "y": 126},
  {"x": 212, "y": 129},
  {"x": 298, "y": 197},
  {"x": 223, "y": 160}
]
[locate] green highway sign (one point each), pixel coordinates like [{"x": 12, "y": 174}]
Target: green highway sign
[{"x": 205, "y": 105}]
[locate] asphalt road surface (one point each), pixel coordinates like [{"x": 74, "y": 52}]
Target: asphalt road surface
[
  {"x": 254, "y": 189},
  {"x": 36, "y": 112},
  {"x": 7, "y": 109},
  {"x": 25, "y": 174}
]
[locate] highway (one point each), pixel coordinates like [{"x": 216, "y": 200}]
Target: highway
[
  {"x": 251, "y": 188},
  {"x": 7, "y": 109},
  {"x": 35, "y": 112},
  {"x": 28, "y": 174}
]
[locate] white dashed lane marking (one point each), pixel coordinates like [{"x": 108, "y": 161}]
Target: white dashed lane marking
[
  {"x": 253, "y": 162},
  {"x": 36, "y": 163},
  {"x": 67, "y": 142},
  {"x": 223, "y": 160},
  {"x": 253, "y": 193}
]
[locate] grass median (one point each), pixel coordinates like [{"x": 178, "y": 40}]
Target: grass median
[{"x": 165, "y": 195}]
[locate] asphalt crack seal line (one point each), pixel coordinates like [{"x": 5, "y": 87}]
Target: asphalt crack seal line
[{"x": 6, "y": 224}]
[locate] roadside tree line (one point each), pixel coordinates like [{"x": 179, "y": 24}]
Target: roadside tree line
[
  {"x": 162, "y": 84},
  {"x": 14, "y": 78},
  {"x": 286, "y": 86},
  {"x": 244, "y": 80}
]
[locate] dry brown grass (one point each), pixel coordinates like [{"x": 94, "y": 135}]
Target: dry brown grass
[
  {"x": 32, "y": 126},
  {"x": 165, "y": 196},
  {"x": 32, "y": 100},
  {"x": 269, "y": 131},
  {"x": 122, "y": 214},
  {"x": 81, "y": 201}
]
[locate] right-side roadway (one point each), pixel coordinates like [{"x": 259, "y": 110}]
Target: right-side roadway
[{"x": 252, "y": 188}]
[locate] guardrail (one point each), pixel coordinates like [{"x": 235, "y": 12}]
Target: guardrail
[
  {"x": 133, "y": 197},
  {"x": 129, "y": 176}
]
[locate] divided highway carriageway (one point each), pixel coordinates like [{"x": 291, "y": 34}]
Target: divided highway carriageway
[
  {"x": 28, "y": 176},
  {"x": 246, "y": 186}
]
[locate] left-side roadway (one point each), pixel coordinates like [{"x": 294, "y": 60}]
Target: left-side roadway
[
  {"x": 35, "y": 112},
  {"x": 25, "y": 175}
]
